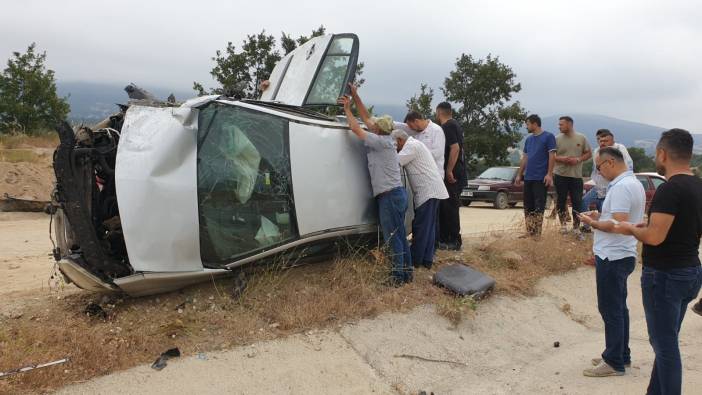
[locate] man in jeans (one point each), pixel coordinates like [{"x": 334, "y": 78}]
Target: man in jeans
[
  {"x": 615, "y": 257},
  {"x": 572, "y": 149},
  {"x": 536, "y": 169},
  {"x": 428, "y": 189},
  {"x": 671, "y": 275},
  {"x": 384, "y": 168}
]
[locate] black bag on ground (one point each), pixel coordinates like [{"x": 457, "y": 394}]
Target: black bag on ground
[{"x": 463, "y": 280}]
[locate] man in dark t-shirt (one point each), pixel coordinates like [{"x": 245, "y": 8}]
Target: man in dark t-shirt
[
  {"x": 449, "y": 235},
  {"x": 671, "y": 275}
]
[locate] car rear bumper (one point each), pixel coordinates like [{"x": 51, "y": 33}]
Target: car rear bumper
[{"x": 474, "y": 195}]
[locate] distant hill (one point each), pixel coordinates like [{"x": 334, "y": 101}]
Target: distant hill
[{"x": 92, "y": 102}]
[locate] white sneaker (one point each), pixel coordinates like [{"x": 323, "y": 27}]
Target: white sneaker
[
  {"x": 602, "y": 370},
  {"x": 597, "y": 361}
]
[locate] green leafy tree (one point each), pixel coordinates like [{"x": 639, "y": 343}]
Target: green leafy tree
[
  {"x": 28, "y": 99},
  {"x": 240, "y": 72},
  {"x": 642, "y": 162},
  {"x": 421, "y": 102},
  {"x": 482, "y": 91}
]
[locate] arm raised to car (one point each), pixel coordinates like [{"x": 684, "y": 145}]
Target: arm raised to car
[
  {"x": 353, "y": 123},
  {"x": 362, "y": 111}
]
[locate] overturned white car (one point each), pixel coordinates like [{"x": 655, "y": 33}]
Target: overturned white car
[{"x": 160, "y": 197}]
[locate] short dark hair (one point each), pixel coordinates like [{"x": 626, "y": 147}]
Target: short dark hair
[
  {"x": 613, "y": 153},
  {"x": 603, "y": 133},
  {"x": 413, "y": 116},
  {"x": 566, "y": 118},
  {"x": 534, "y": 118},
  {"x": 677, "y": 143},
  {"x": 445, "y": 107}
]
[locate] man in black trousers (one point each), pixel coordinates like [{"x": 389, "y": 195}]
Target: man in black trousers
[{"x": 455, "y": 179}]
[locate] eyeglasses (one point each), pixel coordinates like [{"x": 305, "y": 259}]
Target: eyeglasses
[{"x": 601, "y": 163}]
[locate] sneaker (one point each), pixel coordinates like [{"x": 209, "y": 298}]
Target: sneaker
[
  {"x": 596, "y": 361},
  {"x": 697, "y": 308},
  {"x": 602, "y": 370}
]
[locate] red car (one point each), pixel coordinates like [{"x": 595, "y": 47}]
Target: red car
[
  {"x": 496, "y": 185},
  {"x": 650, "y": 182}
]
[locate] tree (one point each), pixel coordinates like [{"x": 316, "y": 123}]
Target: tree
[
  {"x": 240, "y": 72},
  {"x": 421, "y": 102},
  {"x": 28, "y": 99},
  {"x": 482, "y": 90},
  {"x": 642, "y": 162}
]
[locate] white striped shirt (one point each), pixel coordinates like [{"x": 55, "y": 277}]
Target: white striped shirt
[
  {"x": 421, "y": 170},
  {"x": 433, "y": 138}
]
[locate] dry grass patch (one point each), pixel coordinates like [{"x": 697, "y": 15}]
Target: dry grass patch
[
  {"x": 20, "y": 140},
  {"x": 21, "y": 155},
  {"x": 276, "y": 302}
]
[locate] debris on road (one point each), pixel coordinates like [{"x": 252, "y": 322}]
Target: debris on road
[
  {"x": 464, "y": 280},
  {"x": 409, "y": 356},
  {"x": 95, "y": 310},
  {"x": 162, "y": 360},
  {"x": 32, "y": 367}
]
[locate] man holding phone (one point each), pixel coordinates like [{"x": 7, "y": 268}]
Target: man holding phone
[{"x": 615, "y": 257}]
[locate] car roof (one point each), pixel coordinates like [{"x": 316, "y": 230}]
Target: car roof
[{"x": 650, "y": 174}]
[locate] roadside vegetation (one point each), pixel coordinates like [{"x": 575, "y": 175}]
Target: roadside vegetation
[{"x": 275, "y": 303}]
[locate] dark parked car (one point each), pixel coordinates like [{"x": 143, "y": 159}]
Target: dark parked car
[
  {"x": 650, "y": 182},
  {"x": 496, "y": 185}
]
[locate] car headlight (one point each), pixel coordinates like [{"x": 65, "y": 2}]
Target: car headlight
[{"x": 484, "y": 188}]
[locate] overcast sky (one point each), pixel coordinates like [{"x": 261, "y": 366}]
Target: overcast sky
[{"x": 636, "y": 60}]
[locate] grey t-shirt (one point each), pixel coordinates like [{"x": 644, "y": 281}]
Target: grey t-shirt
[
  {"x": 383, "y": 163},
  {"x": 573, "y": 144}
]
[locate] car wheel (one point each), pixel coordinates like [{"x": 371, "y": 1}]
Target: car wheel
[
  {"x": 501, "y": 201},
  {"x": 466, "y": 203},
  {"x": 513, "y": 205}
]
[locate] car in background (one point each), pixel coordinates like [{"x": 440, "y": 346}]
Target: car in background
[
  {"x": 650, "y": 182},
  {"x": 496, "y": 185}
]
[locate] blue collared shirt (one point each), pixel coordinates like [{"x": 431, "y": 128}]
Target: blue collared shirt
[{"x": 625, "y": 194}]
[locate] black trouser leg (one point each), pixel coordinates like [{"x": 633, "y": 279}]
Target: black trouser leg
[
  {"x": 449, "y": 220},
  {"x": 575, "y": 190},
  {"x": 534, "y": 205},
  {"x": 561, "y": 184}
]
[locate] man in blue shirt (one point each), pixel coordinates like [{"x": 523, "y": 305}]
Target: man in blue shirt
[{"x": 536, "y": 170}]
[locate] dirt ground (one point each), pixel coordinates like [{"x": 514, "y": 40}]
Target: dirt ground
[{"x": 507, "y": 347}]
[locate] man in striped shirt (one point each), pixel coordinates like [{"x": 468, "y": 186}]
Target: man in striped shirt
[{"x": 428, "y": 188}]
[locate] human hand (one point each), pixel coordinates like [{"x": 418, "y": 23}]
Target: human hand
[
  {"x": 264, "y": 85},
  {"x": 344, "y": 101},
  {"x": 450, "y": 178},
  {"x": 592, "y": 214},
  {"x": 518, "y": 181},
  {"x": 584, "y": 218},
  {"x": 548, "y": 180}
]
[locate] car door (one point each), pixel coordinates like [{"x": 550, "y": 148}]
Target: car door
[
  {"x": 316, "y": 73},
  {"x": 643, "y": 179},
  {"x": 655, "y": 183}
]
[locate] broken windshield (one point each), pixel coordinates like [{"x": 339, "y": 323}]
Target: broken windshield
[{"x": 244, "y": 186}]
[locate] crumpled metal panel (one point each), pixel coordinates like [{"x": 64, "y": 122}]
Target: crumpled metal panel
[
  {"x": 156, "y": 184},
  {"x": 330, "y": 177}
]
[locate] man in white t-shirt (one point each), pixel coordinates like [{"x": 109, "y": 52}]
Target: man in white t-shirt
[
  {"x": 615, "y": 256},
  {"x": 428, "y": 189},
  {"x": 596, "y": 195},
  {"x": 427, "y": 132}
]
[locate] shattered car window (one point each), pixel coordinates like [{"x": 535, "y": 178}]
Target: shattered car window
[
  {"x": 332, "y": 75},
  {"x": 244, "y": 183}
]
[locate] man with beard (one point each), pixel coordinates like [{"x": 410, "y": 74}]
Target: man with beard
[
  {"x": 671, "y": 275},
  {"x": 427, "y": 132}
]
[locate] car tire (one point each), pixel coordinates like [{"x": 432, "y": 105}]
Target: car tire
[
  {"x": 501, "y": 201},
  {"x": 466, "y": 203}
]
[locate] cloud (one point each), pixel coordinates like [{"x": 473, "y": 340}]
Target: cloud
[{"x": 637, "y": 60}]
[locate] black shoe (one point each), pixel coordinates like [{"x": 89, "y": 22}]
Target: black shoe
[{"x": 427, "y": 265}]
